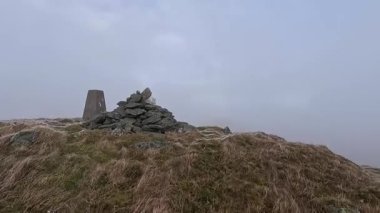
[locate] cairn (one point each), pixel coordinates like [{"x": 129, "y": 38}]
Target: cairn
[{"x": 138, "y": 113}]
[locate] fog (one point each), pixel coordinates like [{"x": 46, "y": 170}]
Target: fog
[{"x": 305, "y": 70}]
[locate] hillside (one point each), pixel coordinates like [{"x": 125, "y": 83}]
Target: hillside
[{"x": 57, "y": 166}]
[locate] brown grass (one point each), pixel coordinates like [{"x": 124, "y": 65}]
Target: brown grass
[{"x": 93, "y": 171}]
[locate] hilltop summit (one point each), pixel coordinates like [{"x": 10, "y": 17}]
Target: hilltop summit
[{"x": 59, "y": 166}]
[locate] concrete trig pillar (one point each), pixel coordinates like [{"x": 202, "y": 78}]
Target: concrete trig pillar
[{"x": 95, "y": 104}]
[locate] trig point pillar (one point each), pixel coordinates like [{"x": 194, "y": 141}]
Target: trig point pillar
[{"x": 95, "y": 104}]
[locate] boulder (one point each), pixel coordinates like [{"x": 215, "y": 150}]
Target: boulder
[
  {"x": 99, "y": 118},
  {"x": 136, "y": 129},
  {"x": 152, "y": 128},
  {"x": 227, "y": 130},
  {"x": 135, "y": 112},
  {"x": 156, "y": 117},
  {"x": 121, "y": 103},
  {"x": 132, "y": 105},
  {"x": 146, "y": 94},
  {"x": 108, "y": 126},
  {"x": 135, "y": 98},
  {"x": 24, "y": 138},
  {"x": 150, "y": 107},
  {"x": 184, "y": 127},
  {"x": 168, "y": 123},
  {"x": 128, "y": 121}
]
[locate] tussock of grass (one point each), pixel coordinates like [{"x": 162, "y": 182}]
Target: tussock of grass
[{"x": 94, "y": 171}]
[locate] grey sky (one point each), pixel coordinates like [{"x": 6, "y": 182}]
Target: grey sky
[{"x": 304, "y": 70}]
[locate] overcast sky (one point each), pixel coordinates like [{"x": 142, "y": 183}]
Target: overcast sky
[{"x": 305, "y": 70}]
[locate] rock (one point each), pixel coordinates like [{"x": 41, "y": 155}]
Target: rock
[
  {"x": 135, "y": 112},
  {"x": 156, "y": 117},
  {"x": 151, "y": 113},
  {"x": 167, "y": 123},
  {"x": 121, "y": 103},
  {"x": 99, "y": 118},
  {"x": 152, "y": 128},
  {"x": 118, "y": 132},
  {"x": 24, "y": 137},
  {"x": 136, "y": 129},
  {"x": 128, "y": 121},
  {"x": 135, "y": 98},
  {"x": 150, "y": 107},
  {"x": 107, "y": 121},
  {"x": 127, "y": 128},
  {"x": 146, "y": 94},
  {"x": 132, "y": 105},
  {"x": 227, "y": 130},
  {"x": 108, "y": 126},
  {"x": 138, "y": 123}
]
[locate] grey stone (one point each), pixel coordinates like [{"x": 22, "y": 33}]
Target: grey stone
[
  {"x": 152, "y": 128},
  {"x": 151, "y": 113},
  {"x": 146, "y": 94},
  {"x": 95, "y": 104},
  {"x": 167, "y": 123},
  {"x": 117, "y": 116},
  {"x": 128, "y": 121},
  {"x": 138, "y": 123},
  {"x": 132, "y": 105},
  {"x": 150, "y": 106},
  {"x": 143, "y": 117},
  {"x": 107, "y": 121},
  {"x": 120, "y": 111},
  {"x": 24, "y": 137},
  {"x": 136, "y": 129},
  {"x": 168, "y": 115},
  {"x": 135, "y": 98},
  {"x": 135, "y": 112},
  {"x": 227, "y": 130},
  {"x": 128, "y": 128},
  {"x": 164, "y": 110},
  {"x": 121, "y": 103},
  {"x": 109, "y": 126},
  {"x": 152, "y": 119},
  {"x": 99, "y": 118},
  {"x": 118, "y": 132}
]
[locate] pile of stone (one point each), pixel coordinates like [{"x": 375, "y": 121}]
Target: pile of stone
[{"x": 138, "y": 113}]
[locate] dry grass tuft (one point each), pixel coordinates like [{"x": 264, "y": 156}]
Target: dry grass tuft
[{"x": 74, "y": 170}]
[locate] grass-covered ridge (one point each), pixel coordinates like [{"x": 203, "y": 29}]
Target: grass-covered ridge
[{"x": 68, "y": 169}]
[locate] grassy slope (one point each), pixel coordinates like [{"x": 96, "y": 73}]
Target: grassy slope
[{"x": 92, "y": 171}]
